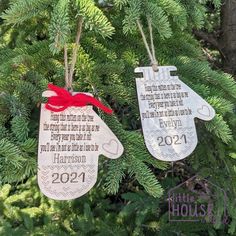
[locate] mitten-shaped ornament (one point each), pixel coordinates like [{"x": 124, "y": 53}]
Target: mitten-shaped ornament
[
  {"x": 167, "y": 110},
  {"x": 71, "y": 138}
]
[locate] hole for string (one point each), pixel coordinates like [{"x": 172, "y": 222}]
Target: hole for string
[
  {"x": 155, "y": 67},
  {"x": 69, "y": 89}
]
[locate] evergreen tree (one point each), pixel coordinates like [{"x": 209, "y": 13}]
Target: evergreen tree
[{"x": 34, "y": 37}]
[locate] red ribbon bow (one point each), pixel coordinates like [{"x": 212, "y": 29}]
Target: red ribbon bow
[{"x": 64, "y": 99}]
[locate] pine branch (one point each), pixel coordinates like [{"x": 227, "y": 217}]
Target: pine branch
[
  {"x": 59, "y": 28},
  {"x": 94, "y": 19},
  {"x": 20, "y": 128},
  {"x": 23, "y": 10}
]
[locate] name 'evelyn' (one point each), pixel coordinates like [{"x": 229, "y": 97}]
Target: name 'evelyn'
[{"x": 170, "y": 123}]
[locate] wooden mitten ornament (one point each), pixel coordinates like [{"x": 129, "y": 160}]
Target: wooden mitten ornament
[
  {"x": 71, "y": 138},
  {"x": 167, "y": 109}
]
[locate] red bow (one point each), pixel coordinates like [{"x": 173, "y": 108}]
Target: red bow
[{"x": 64, "y": 99}]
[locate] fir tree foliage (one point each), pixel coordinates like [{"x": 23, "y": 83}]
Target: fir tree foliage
[
  {"x": 59, "y": 28},
  {"x": 94, "y": 18},
  {"x": 24, "y": 10}
]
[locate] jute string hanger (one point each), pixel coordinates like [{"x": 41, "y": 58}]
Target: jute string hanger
[
  {"x": 66, "y": 99},
  {"x": 69, "y": 69},
  {"x": 151, "y": 52}
]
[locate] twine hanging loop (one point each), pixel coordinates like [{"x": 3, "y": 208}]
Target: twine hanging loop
[
  {"x": 151, "y": 52},
  {"x": 69, "y": 69}
]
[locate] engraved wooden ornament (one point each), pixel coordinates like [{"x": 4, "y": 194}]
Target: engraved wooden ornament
[
  {"x": 167, "y": 110},
  {"x": 70, "y": 143}
]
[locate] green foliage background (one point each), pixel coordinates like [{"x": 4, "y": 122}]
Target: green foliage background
[{"x": 130, "y": 197}]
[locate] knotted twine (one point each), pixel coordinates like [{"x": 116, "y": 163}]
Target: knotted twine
[
  {"x": 151, "y": 52},
  {"x": 64, "y": 98}
]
